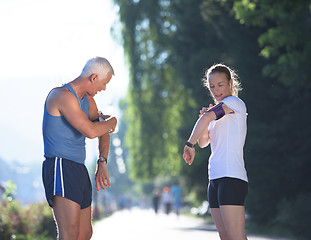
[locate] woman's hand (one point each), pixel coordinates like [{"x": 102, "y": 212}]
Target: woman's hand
[
  {"x": 204, "y": 110},
  {"x": 189, "y": 154}
]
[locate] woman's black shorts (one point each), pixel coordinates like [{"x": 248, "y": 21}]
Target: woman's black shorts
[{"x": 227, "y": 191}]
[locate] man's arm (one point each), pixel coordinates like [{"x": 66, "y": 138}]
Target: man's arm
[
  {"x": 101, "y": 174},
  {"x": 62, "y": 102}
]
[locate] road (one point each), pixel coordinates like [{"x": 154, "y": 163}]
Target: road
[{"x": 139, "y": 224}]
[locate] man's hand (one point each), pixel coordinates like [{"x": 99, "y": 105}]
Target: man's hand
[
  {"x": 189, "y": 154},
  {"x": 103, "y": 117},
  {"x": 102, "y": 176}
]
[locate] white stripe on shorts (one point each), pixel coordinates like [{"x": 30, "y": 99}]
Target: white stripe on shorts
[{"x": 61, "y": 176}]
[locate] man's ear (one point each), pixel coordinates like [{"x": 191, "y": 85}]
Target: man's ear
[{"x": 93, "y": 77}]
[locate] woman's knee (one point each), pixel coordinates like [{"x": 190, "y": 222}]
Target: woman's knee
[
  {"x": 235, "y": 235},
  {"x": 223, "y": 234}
]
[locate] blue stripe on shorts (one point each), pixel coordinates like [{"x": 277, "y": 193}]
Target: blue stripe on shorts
[{"x": 58, "y": 177}]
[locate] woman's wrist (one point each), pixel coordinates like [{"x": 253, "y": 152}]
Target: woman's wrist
[{"x": 189, "y": 144}]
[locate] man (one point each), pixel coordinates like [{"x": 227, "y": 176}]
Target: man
[
  {"x": 70, "y": 115},
  {"x": 177, "y": 195}
]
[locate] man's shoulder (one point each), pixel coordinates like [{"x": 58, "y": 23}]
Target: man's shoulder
[
  {"x": 59, "y": 98},
  {"x": 60, "y": 93}
]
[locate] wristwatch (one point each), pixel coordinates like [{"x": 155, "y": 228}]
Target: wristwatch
[
  {"x": 189, "y": 144},
  {"x": 102, "y": 159}
]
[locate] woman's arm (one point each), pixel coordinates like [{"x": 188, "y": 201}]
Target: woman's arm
[
  {"x": 199, "y": 128},
  {"x": 204, "y": 139}
]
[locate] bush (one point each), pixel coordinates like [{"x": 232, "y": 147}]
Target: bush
[
  {"x": 33, "y": 222},
  {"x": 295, "y": 215}
]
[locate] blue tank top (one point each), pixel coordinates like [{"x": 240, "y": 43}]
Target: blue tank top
[{"x": 60, "y": 138}]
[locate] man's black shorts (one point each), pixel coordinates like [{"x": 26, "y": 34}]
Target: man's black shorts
[{"x": 67, "y": 179}]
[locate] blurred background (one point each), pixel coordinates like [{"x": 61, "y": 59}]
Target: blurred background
[{"x": 159, "y": 50}]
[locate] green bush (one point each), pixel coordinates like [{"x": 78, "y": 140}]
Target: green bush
[
  {"x": 295, "y": 215},
  {"x": 33, "y": 222}
]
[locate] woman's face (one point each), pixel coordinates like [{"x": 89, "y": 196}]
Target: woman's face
[{"x": 219, "y": 86}]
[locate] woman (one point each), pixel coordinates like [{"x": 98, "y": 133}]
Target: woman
[{"x": 224, "y": 127}]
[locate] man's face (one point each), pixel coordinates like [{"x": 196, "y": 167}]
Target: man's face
[{"x": 99, "y": 84}]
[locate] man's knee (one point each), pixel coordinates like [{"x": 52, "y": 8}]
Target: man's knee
[
  {"x": 86, "y": 234},
  {"x": 71, "y": 232},
  {"x": 90, "y": 233}
]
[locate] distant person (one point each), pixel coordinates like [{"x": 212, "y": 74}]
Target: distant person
[
  {"x": 167, "y": 200},
  {"x": 177, "y": 191},
  {"x": 70, "y": 115},
  {"x": 156, "y": 197},
  {"x": 224, "y": 127}
]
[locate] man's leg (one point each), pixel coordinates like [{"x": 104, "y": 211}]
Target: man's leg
[
  {"x": 234, "y": 220},
  {"x": 85, "y": 227},
  {"x": 67, "y": 216}
]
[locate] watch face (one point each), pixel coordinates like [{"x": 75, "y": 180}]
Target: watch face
[{"x": 102, "y": 159}]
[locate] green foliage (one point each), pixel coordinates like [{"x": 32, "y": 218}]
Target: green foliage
[
  {"x": 9, "y": 191},
  {"x": 285, "y": 37},
  {"x": 156, "y": 95},
  {"x": 294, "y": 215},
  {"x": 281, "y": 148},
  {"x": 168, "y": 49},
  {"x": 170, "y": 43},
  {"x": 25, "y": 223}
]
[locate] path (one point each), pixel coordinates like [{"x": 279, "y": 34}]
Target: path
[{"x": 138, "y": 224}]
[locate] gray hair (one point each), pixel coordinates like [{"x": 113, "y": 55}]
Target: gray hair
[{"x": 97, "y": 65}]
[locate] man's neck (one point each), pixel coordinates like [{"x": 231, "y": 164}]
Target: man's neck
[{"x": 79, "y": 86}]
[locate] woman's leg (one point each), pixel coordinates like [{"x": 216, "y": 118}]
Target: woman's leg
[
  {"x": 233, "y": 218},
  {"x": 217, "y": 218}
]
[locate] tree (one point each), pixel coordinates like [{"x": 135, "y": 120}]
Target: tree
[
  {"x": 155, "y": 95},
  {"x": 170, "y": 43},
  {"x": 285, "y": 42}
]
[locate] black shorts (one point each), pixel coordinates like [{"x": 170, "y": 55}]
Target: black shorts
[
  {"x": 227, "y": 191},
  {"x": 67, "y": 179}
]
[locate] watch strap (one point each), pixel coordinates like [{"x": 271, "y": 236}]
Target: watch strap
[{"x": 189, "y": 144}]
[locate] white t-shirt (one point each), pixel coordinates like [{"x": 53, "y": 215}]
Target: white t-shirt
[{"x": 227, "y": 138}]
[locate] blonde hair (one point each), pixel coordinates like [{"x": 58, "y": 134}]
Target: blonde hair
[
  {"x": 230, "y": 74},
  {"x": 97, "y": 65}
]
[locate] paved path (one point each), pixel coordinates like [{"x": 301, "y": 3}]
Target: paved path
[{"x": 138, "y": 224}]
